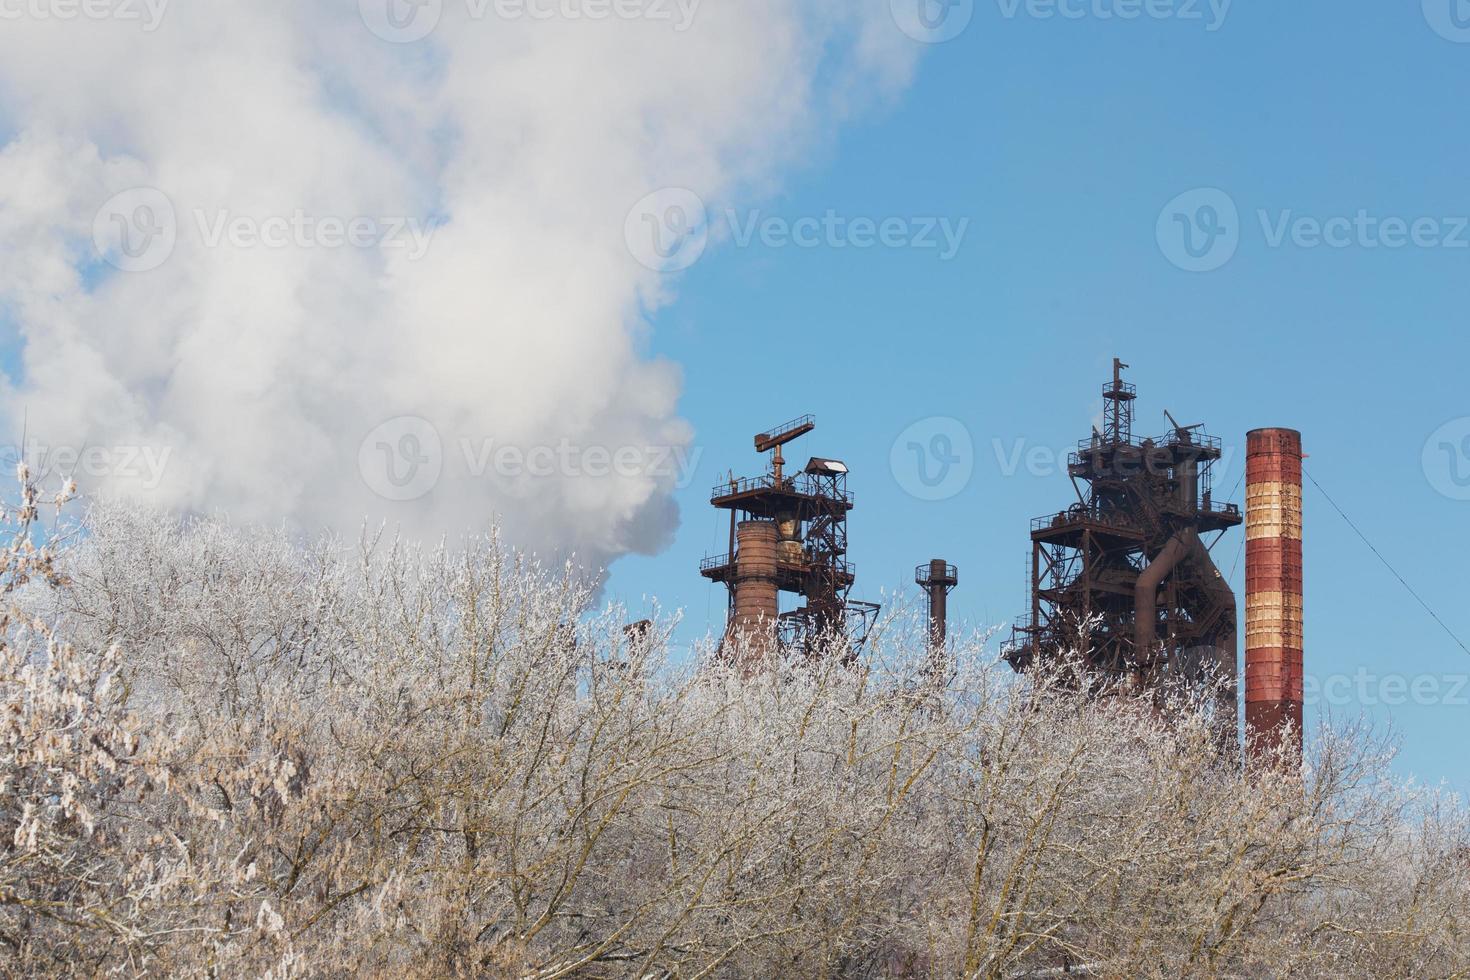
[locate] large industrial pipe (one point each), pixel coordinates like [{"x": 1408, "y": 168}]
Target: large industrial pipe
[
  {"x": 1146, "y": 595},
  {"x": 1224, "y": 671},
  {"x": 1274, "y": 629},
  {"x": 752, "y": 627},
  {"x": 1186, "y": 548}
]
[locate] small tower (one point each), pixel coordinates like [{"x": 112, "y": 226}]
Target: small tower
[
  {"x": 938, "y": 579},
  {"x": 788, "y": 534}
]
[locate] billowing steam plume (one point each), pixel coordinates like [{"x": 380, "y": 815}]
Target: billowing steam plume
[{"x": 327, "y": 261}]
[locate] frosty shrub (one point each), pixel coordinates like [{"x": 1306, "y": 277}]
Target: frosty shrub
[{"x": 227, "y": 755}]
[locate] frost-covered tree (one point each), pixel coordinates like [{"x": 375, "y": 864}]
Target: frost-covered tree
[{"x": 229, "y": 754}]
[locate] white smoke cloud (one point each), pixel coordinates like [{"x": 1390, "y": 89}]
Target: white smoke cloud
[{"x": 508, "y": 147}]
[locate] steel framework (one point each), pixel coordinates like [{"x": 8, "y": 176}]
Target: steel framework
[
  {"x": 1121, "y": 580},
  {"x": 810, "y": 512}
]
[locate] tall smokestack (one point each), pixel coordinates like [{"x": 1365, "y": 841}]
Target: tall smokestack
[
  {"x": 757, "y": 602},
  {"x": 1273, "y": 602},
  {"x": 937, "y": 578}
]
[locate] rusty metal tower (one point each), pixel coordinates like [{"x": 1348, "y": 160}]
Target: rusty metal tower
[
  {"x": 1122, "y": 578},
  {"x": 938, "y": 579},
  {"x": 788, "y": 533}
]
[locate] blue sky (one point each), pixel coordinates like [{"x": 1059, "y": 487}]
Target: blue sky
[
  {"x": 1062, "y": 141},
  {"x": 1261, "y": 207}
]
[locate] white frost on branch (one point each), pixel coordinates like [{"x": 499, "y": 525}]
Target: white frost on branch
[{"x": 379, "y": 759}]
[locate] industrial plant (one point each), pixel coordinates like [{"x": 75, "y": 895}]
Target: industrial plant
[{"x": 1124, "y": 590}]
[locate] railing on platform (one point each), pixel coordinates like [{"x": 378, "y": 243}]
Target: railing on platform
[
  {"x": 804, "y": 485},
  {"x": 715, "y": 562},
  {"x": 1080, "y": 515},
  {"x": 1086, "y": 447}
]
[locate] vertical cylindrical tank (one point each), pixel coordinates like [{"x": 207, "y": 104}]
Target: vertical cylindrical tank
[
  {"x": 1274, "y": 626},
  {"x": 757, "y": 602}
]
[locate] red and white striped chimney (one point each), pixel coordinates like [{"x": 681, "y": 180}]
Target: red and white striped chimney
[{"x": 1274, "y": 625}]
